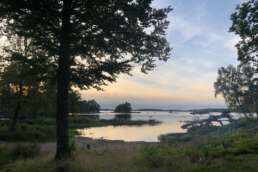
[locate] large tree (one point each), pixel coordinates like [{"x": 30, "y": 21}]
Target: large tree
[
  {"x": 91, "y": 42},
  {"x": 245, "y": 25},
  {"x": 239, "y": 85}
]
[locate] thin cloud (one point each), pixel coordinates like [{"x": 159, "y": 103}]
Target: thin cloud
[{"x": 202, "y": 44}]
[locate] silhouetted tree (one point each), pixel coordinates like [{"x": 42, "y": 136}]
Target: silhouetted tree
[
  {"x": 239, "y": 85},
  {"x": 17, "y": 77},
  {"x": 123, "y": 108},
  {"x": 22, "y": 78},
  {"x": 235, "y": 85},
  {"x": 245, "y": 25},
  {"x": 91, "y": 42},
  {"x": 90, "y": 106},
  {"x": 93, "y": 106}
]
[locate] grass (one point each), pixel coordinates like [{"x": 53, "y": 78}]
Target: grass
[
  {"x": 241, "y": 125},
  {"x": 235, "y": 152},
  {"x": 83, "y": 160},
  {"x": 12, "y": 152},
  {"x": 28, "y": 133},
  {"x": 232, "y": 148}
]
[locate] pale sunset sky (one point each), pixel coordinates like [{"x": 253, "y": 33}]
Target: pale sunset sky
[{"x": 198, "y": 33}]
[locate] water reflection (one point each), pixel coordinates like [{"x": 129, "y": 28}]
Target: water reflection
[
  {"x": 132, "y": 133},
  {"x": 171, "y": 123},
  {"x": 123, "y": 117}
]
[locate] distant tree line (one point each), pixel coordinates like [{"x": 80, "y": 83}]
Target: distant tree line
[
  {"x": 208, "y": 110},
  {"x": 90, "y": 106},
  {"x": 33, "y": 103}
]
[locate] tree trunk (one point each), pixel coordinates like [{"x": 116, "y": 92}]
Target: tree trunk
[
  {"x": 12, "y": 127},
  {"x": 221, "y": 123},
  {"x": 244, "y": 112},
  {"x": 256, "y": 109},
  {"x": 15, "y": 117},
  {"x": 63, "y": 78}
]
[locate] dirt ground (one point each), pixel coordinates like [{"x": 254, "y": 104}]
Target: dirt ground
[{"x": 100, "y": 145}]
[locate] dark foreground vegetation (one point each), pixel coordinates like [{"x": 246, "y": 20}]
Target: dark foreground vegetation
[{"x": 230, "y": 148}]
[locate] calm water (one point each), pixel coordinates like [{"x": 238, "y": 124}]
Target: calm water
[{"x": 171, "y": 123}]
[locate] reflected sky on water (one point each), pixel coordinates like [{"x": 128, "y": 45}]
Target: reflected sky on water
[{"x": 171, "y": 123}]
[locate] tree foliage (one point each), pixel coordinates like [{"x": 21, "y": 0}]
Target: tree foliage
[
  {"x": 90, "y": 106},
  {"x": 245, "y": 25},
  {"x": 123, "y": 108},
  {"x": 91, "y": 42},
  {"x": 106, "y": 38},
  {"x": 239, "y": 85}
]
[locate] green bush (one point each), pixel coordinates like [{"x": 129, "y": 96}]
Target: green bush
[{"x": 165, "y": 158}]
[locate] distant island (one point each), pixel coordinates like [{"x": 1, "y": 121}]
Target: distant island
[
  {"x": 123, "y": 108},
  {"x": 192, "y": 111},
  {"x": 160, "y": 110},
  {"x": 208, "y": 110}
]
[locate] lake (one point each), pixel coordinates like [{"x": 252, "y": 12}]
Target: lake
[{"x": 171, "y": 123}]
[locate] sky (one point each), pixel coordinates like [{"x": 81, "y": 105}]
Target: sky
[{"x": 198, "y": 34}]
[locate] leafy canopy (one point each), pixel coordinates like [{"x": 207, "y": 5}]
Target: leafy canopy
[
  {"x": 106, "y": 37},
  {"x": 239, "y": 85}
]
